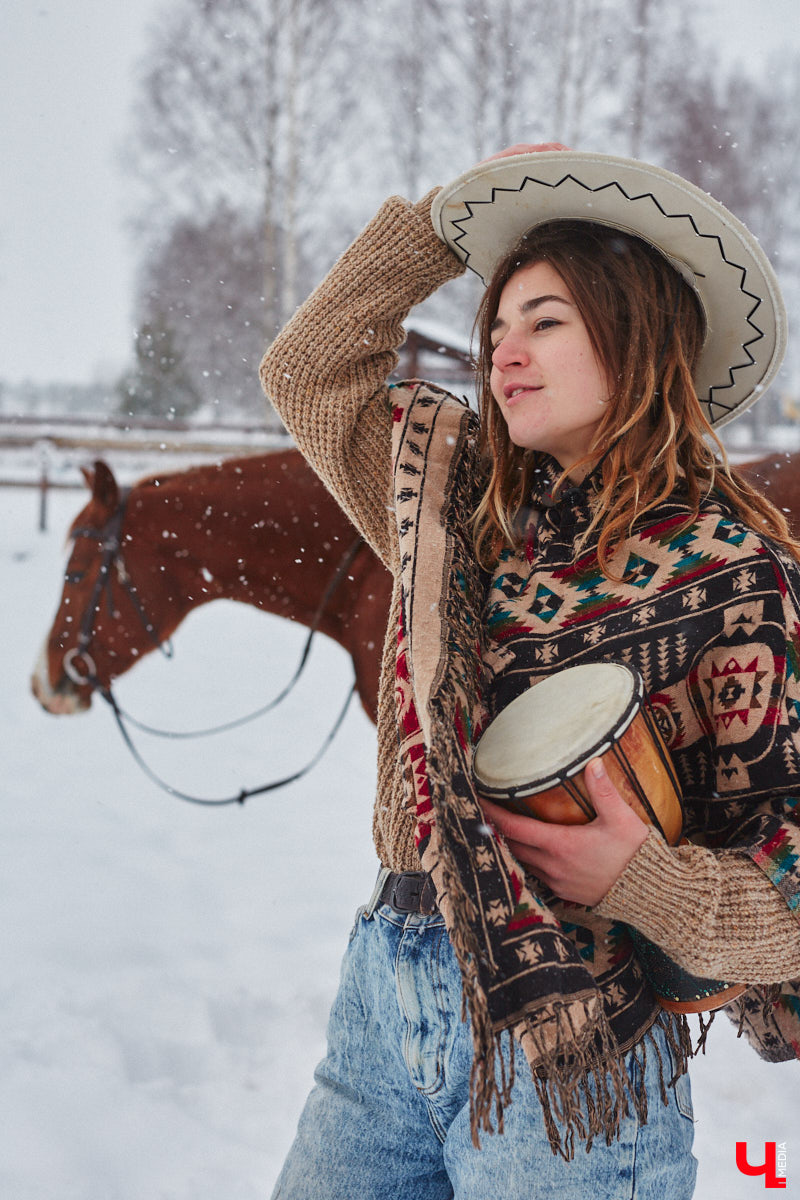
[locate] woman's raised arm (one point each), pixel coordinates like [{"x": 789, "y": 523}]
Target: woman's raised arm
[{"x": 326, "y": 372}]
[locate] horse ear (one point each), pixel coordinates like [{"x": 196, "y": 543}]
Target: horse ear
[{"x": 103, "y": 484}]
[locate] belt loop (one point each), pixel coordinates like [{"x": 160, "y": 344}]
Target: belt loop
[{"x": 374, "y": 899}]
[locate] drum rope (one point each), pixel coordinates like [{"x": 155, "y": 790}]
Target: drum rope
[{"x": 630, "y": 773}]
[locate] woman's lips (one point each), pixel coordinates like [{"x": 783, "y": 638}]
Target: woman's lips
[{"x": 518, "y": 391}]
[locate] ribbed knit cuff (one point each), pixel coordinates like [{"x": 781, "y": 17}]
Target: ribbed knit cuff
[
  {"x": 639, "y": 892},
  {"x": 714, "y": 912}
]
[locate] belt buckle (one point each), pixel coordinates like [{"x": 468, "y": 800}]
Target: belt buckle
[
  {"x": 419, "y": 895},
  {"x": 410, "y": 883}
]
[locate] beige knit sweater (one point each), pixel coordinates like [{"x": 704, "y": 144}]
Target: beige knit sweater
[{"x": 715, "y": 913}]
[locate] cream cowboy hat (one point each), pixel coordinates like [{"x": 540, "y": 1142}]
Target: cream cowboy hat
[{"x": 484, "y": 212}]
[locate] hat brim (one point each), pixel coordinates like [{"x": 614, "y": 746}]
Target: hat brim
[{"x": 482, "y": 214}]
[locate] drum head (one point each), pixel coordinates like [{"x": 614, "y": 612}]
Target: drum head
[{"x": 554, "y": 728}]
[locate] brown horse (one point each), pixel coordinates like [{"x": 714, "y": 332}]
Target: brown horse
[
  {"x": 777, "y": 476},
  {"x": 261, "y": 529}
]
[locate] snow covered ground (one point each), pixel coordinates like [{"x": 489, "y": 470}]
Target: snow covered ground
[{"x": 165, "y": 971}]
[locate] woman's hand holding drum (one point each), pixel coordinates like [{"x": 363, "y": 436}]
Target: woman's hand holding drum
[{"x": 577, "y": 862}]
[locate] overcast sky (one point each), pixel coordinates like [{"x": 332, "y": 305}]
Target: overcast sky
[{"x": 66, "y": 261}]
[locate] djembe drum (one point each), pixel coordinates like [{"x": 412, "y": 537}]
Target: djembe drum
[{"x": 531, "y": 759}]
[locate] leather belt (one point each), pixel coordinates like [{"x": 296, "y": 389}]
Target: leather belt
[{"x": 409, "y": 892}]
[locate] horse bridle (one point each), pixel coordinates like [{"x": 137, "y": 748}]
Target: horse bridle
[{"x": 110, "y": 536}]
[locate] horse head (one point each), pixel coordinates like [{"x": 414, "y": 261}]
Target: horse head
[
  {"x": 101, "y": 626},
  {"x": 261, "y": 529}
]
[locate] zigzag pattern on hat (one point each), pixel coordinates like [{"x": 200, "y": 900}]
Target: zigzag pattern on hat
[{"x": 711, "y": 402}]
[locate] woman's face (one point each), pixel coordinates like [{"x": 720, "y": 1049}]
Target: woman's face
[{"x": 545, "y": 377}]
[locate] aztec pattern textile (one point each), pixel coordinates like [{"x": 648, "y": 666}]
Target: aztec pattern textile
[
  {"x": 523, "y": 969},
  {"x": 709, "y": 617},
  {"x": 770, "y": 1020}
]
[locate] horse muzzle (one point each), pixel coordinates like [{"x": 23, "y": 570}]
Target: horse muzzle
[{"x": 72, "y": 694}]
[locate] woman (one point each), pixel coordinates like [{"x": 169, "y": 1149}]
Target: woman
[{"x": 580, "y": 518}]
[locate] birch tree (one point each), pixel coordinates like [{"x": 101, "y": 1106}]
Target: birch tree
[{"x": 226, "y": 116}]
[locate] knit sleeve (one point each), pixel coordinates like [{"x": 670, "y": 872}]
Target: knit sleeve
[
  {"x": 730, "y": 908},
  {"x": 713, "y": 912},
  {"x": 326, "y": 372}
]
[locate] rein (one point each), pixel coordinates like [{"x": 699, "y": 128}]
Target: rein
[
  {"x": 110, "y": 536},
  {"x": 177, "y": 734},
  {"x": 244, "y": 793}
]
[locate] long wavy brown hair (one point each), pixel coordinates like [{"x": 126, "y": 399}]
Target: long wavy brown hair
[{"x": 646, "y": 328}]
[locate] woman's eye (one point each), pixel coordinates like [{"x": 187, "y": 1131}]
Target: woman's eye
[{"x": 546, "y": 323}]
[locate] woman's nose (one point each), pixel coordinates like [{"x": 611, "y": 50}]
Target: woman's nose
[{"x": 511, "y": 351}]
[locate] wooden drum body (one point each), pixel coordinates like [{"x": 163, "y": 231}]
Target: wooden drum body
[{"x": 531, "y": 759}]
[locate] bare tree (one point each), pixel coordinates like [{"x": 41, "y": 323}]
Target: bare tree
[
  {"x": 225, "y": 118},
  {"x": 503, "y": 57}
]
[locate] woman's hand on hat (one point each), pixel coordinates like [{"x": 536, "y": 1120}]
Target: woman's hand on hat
[
  {"x": 525, "y": 148},
  {"x": 577, "y": 862}
]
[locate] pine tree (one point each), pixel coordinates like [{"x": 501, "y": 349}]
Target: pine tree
[{"x": 158, "y": 384}]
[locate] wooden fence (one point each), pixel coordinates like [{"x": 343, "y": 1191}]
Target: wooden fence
[{"x": 47, "y": 453}]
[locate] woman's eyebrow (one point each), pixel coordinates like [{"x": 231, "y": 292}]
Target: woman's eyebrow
[{"x": 528, "y": 306}]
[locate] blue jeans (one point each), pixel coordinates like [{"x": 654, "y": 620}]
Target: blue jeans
[{"x": 388, "y": 1118}]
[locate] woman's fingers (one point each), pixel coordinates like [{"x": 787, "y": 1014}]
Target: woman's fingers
[{"x": 525, "y": 148}]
